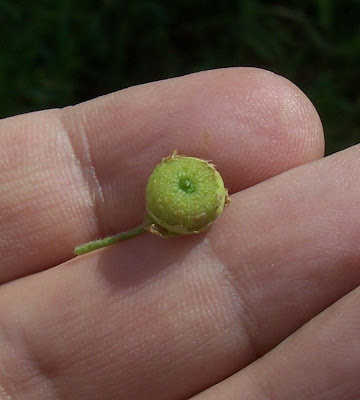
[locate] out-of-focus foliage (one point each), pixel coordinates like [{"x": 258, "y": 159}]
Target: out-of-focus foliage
[{"x": 55, "y": 53}]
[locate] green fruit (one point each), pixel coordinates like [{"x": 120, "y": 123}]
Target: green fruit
[{"x": 184, "y": 195}]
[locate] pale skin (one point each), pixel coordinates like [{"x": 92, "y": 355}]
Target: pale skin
[{"x": 169, "y": 319}]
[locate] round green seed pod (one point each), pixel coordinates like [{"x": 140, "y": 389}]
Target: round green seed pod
[{"x": 184, "y": 195}]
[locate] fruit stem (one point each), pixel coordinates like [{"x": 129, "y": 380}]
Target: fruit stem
[{"x": 98, "y": 244}]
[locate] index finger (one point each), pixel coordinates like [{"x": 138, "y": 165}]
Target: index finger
[{"x": 72, "y": 175}]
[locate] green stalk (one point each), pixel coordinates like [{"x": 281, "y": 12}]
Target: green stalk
[{"x": 98, "y": 244}]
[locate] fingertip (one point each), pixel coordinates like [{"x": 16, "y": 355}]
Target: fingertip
[
  {"x": 264, "y": 123},
  {"x": 287, "y": 117}
]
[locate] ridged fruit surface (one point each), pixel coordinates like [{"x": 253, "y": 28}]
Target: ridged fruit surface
[{"x": 184, "y": 195}]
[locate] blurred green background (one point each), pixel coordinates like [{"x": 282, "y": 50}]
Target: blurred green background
[{"x": 55, "y": 53}]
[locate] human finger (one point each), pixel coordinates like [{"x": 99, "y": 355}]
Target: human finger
[
  {"x": 73, "y": 175},
  {"x": 321, "y": 361},
  {"x": 182, "y": 315}
]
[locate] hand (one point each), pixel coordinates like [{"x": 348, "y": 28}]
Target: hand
[{"x": 161, "y": 319}]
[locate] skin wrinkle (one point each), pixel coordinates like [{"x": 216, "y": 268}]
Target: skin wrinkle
[
  {"x": 123, "y": 111},
  {"x": 37, "y": 375},
  {"x": 82, "y": 158},
  {"x": 27, "y": 365},
  {"x": 248, "y": 320},
  {"x": 41, "y": 183}
]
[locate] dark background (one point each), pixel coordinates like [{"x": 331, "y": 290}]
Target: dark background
[{"x": 60, "y": 52}]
